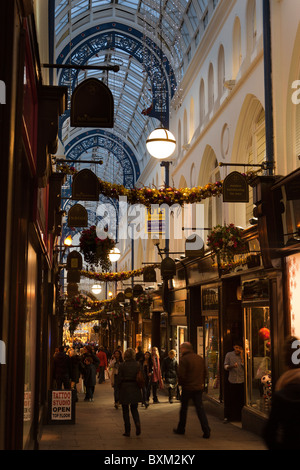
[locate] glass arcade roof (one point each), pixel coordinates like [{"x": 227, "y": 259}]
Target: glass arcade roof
[{"x": 139, "y": 36}]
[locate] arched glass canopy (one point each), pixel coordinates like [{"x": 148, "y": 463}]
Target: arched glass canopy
[{"x": 152, "y": 41}]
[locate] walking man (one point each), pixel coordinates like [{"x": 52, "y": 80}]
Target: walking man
[{"x": 191, "y": 376}]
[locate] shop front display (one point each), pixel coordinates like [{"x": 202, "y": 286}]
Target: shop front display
[
  {"x": 258, "y": 367},
  {"x": 210, "y": 314},
  {"x": 293, "y": 282}
]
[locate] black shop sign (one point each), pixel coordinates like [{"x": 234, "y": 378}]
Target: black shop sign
[{"x": 235, "y": 188}]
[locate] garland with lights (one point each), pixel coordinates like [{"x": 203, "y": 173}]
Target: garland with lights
[
  {"x": 118, "y": 276},
  {"x": 166, "y": 195},
  {"x": 148, "y": 196}
]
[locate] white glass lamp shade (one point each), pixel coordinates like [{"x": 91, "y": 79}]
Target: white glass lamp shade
[
  {"x": 114, "y": 255},
  {"x": 96, "y": 289},
  {"x": 161, "y": 143}
]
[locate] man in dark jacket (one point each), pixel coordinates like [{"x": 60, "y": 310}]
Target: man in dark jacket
[
  {"x": 62, "y": 369},
  {"x": 191, "y": 376}
]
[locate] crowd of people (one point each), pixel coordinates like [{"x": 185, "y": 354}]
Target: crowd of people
[
  {"x": 80, "y": 365},
  {"x": 184, "y": 380}
]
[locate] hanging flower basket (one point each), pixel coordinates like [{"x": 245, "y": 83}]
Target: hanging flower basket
[
  {"x": 225, "y": 242},
  {"x": 144, "y": 302},
  {"x": 78, "y": 303},
  {"x": 94, "y": 249}
]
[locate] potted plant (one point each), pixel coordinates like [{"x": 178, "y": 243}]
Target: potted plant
[{"x": 96, "y": 250}]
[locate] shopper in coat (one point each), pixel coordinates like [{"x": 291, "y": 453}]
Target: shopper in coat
[
  {"x": 102, "y": 364},
  {"x": 114, "y": 365},
  {"x": 129, "y": 392},
  {"x": 89, "y": 372},
  {"x": 156, "y": 378},
  {"x": 169, "y": 373},
  {"x": 147, "y": 370},
  {"x": 191, "y": 376},
  {"x": 62, "y": 369},
  {"x": 75, "y": 361}
]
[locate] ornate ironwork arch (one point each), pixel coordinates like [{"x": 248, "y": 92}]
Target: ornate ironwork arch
[
  {"x": 117, "y": 35},
  {"x": 109, "y": 141}
]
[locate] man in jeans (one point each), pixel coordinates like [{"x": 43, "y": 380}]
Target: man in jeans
[{"x": 191, "y": 376}]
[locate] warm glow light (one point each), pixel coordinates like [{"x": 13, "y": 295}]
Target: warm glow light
[
  {"x": 68, "y": 241},
  {"x": 96, "y": 289},
  {"x": 161, "y": 143},
  {"x": 110, "y": 294},
  {"x": 114, "y": 254}
]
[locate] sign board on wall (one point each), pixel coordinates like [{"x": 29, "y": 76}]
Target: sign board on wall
[
  {"x": 61, "y": 406},
  {"x": 235, "y": 188}
]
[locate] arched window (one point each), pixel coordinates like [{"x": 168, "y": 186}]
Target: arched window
[
  {"x": 211, "y": 97},
  {"x": 250, "y": 148},
  {"x": 192, "y": 120},
  {"x": 185, "y": 131},
  {"x": 202, "y": 102},
  {"x": 237, "y": 48},
  {"x": 256, "y": 153},
  {"x": 221, "y": 71},
  {"x": 251, "y": 25},
  {"x": 210, "y": 173},
  {"x": 179, "y": 138}
]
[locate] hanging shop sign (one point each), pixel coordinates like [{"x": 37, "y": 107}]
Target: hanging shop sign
[
  {"x": 168, "y": 268},
  {"x": 74, "y": 260},
  {"x": 73, "y": 276},
  {"x": 61, "y": 406},
  {"x": 149, "y": 275},
  {"x": 137, "y": 290},
  {"x": 235, "y": 188},
  {"x": 128, "y": 293},
  {"x": 72, "y": 289},
  {"x": 120, "y": 297},
  {"x": 92, "y": 105},
  {"x": 77, "y": 216},
  {"x": 85, "y": 186},
  {"x": 194, "y": 246}
]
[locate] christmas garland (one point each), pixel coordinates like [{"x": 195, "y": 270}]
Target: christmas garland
[
  {"x": 118, "y": 276},
  {"x": 166, "y": 195},
  {"x": 148, "y": 196}
]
